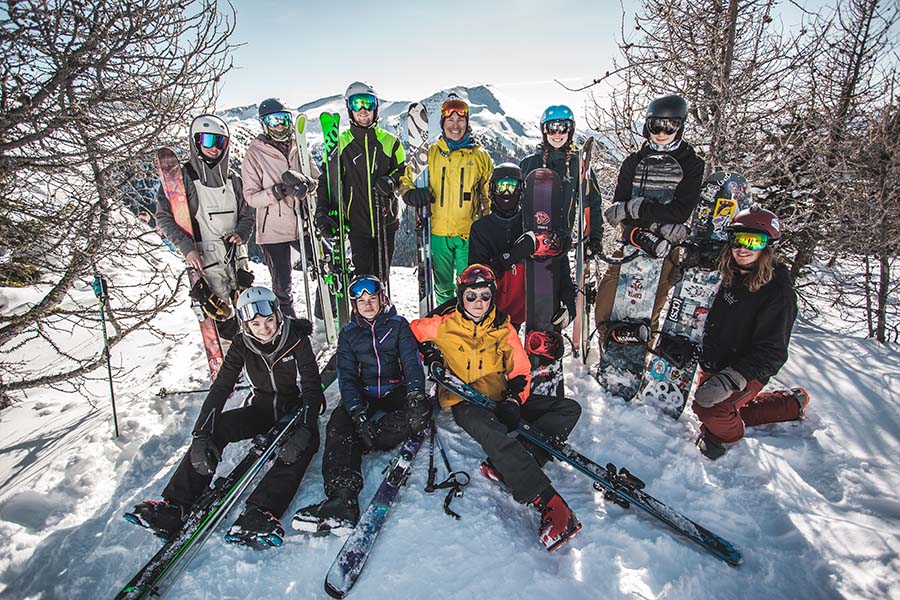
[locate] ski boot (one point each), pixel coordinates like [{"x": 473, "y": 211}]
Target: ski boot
[
  {"x": 802, "y": 399},
  {"x": 257, "y": 528},
  {"x": 709, "y": 448},
  {"x": 338, "y": 514},
  {"x": 488, "y": 469},
  {"x": 558, "y": 522},
  {"x": 162, "y": 517}
]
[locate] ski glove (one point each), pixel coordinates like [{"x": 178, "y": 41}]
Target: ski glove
[
  {"x": 674, "y": 232},
  {"x": 280, "y": 191},
  {"x": 385, "y": 186},
  {"x": 296, "y": 444},
  {"x": 326, "y": 225},
  {"x": 204, "y": 454},
  {"x": 212, "y": 306},
  {"x": 719, "y": 387},
  {"x": 418, "y": 197},
  {"x": 430, "y": 355},
  {"x": 509, "y": 411},
  {"x": 561, "y": 318},
  {"x": 299, "y": 185},
  {"x": 620, "y": 211},
  {"x": 522, "y": 248},
  {"x": 363, "y": 427},
  {"x": 418, "y": 411}
]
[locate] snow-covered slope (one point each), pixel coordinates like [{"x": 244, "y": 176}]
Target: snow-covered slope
[{"x": 812, "y": 504}]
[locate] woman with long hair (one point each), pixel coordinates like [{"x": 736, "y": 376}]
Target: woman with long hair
[{"x": 745, "y": 341}]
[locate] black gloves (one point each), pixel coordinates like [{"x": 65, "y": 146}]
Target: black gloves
[
  {"x": 363, "y": 428},
  {"x": 326, "y": 225},
  {"x": 430, "y": 355},
  {"x": 385, "y": 185},
  {"x": 296, "y": 444},
  {"x": 204, "y": 454},
  {"x": 299, "y": 185},
  {"x": 418, "y": 197},
  {"x": 212, "y": 306},
  {"x": 418, "y": 411},
  {"x": 281, "y": 191},
  {"x": 508, "y": 410}
]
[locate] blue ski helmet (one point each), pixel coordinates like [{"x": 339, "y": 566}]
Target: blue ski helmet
[
  {"x": 557, "y": 112},
  {"x": 558, "y": 117}
]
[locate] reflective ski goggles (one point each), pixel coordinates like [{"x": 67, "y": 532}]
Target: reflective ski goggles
[
  {"x": 558, "y": 126},
  {"x": 358, "y": 102},
  {"x": 263, "y": 308},
  {"x": 484, "y": 296},
  {"x": 657, "y": 125},
  {"x": 211, "y": 140},
  {"x": 454, "y": 106},
  {"x": 365, "y": 285},
  {"x": 277, "y": 118},
  {"x": 751, "y": 240},
  {"x": 475, "y": 273},
  {"x": 506, "y": 186}
]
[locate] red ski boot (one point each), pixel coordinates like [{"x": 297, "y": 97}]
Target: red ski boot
[{"x": 558, "y": 522}]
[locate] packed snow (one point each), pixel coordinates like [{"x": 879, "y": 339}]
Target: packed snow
[{"x": 811, "y": 504}]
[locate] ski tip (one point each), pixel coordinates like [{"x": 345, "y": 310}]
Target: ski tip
[{"x": 333, "y": 591}]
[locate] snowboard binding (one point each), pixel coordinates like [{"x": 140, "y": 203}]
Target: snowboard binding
[
  {"x": 627, "y": 333},
  {"x": 652, "y": 243},
  {"x": 547, "y": 344},
  {"x": 676, "y": 349}
]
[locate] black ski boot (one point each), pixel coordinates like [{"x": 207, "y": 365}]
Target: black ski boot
[
  {"x": 162, "y": 517},
  {"x": 257, "y": 528},
  {"x": 338, "y": 514}
]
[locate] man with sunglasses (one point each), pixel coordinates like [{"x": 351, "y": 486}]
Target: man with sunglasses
[
  {"x": 371, "y": 162},
  {"x": 269, "y": 155},
  {"x": 746, "y": 336},
  {"x": 378, "y": 372},
  {"x": 222, "y": 222},
  {"x": 477, "y": 343},
  {"x": 663, "y": 132},
  {"x": 459, "y": 170},
  {"x": 274, "y": 353}
]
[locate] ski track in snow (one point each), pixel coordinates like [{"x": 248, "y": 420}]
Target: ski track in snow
[{"x": 811, "y": 504}]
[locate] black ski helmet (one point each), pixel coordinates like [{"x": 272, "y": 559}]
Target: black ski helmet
[
  {"x": 271, "y": 106},
  {"x": 506, "y": 204},
  {"x": 672, "y": 106}
]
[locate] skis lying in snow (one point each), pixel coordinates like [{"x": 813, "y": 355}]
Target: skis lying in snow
[
  {"x": 350, "y": 560},
  {"x": 617, "y": 485},
  {"x": 160, "y": 573}
]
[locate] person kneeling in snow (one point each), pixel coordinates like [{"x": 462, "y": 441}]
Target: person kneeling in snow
[
  {"x": 378, "y": 370},
  {"x": 746, "y": 337},
  {"x": 479, "y": 344},
  {"x": 273, "y": 350}
]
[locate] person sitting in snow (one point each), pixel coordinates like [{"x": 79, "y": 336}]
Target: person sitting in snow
[
  {"x": 378, "y": 371},
  {"x": 745, "y": 341},
  {"x": 273, "y": 350},
  {"x": 477, "y": 343}
]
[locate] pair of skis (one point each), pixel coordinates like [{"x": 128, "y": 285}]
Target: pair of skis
[{"x": 417, "y": 161}]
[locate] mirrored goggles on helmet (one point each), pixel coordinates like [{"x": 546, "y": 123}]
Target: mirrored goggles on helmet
[
  {"x": 358, "y": 102},
  {"x": 249, "y": 311},
  {"x": 559, "y": 126},
  {"x": 365, "y": 285},
  {"x": 211, "y": 140},
  {"x": 475, "y": 274},
  {"x": 506, "y": 186},
  {"x": 751, "y": 240},
  {"x": 657, "y": 125},
  {"x": 277, "y": 118},
  {"x": 484, "y": 296},
  {"x": 455, "y": 106}
]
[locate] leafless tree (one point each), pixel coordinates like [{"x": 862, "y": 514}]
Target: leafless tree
[{"x": 88, "y": 89}]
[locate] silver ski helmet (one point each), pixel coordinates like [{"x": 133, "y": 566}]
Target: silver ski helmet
[
  {"x": 274, "y": 114},
  {"x": 358, "y": 93},
  {"x": 209, "y": 131},
  {"x": 506, "y": 188},
  {"x": 666, "y": 113},
  {"x": 258, "y": 301}
]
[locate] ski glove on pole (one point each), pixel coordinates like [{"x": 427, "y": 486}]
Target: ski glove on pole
[
  {"x": 385, "y": 186},
  {"x": 620, "y": 211},
  {"x": 418, "y": 411},
  {"x": 719, "y": 387},
  {"x": 418, "y": 197},
  {"x": 430, "y": 355},
  {"x": 363, "y": 427},
  {"x": 326, "y": 225},
  {"x": 299, "y": 185},
  {"x": 204, "y": 453},
  {"x": 281, "y": 191}
]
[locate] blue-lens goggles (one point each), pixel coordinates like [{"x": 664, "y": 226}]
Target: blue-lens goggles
[{"x": 212, "y": 140}]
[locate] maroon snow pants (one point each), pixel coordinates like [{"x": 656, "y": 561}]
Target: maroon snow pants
[{"x": 725, "y": 422}]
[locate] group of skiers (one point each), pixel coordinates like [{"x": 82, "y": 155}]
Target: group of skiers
[{"x": 479, "y": 247}]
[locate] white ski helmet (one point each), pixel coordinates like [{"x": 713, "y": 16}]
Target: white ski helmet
[
  {"x": 356, "y": 88},
  {"x": 257, "y": 301},
  {"x": 209, "y": 124},
  {"x": 212, "y": 171}
]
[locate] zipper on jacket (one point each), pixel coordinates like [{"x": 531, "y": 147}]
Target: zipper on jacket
[
  {"x": 377, "y": 357},
  {"x": 220, "y": 212},
  {"x": 462, "y": 178},
  {"x": 265, "y": 218},
  {"x": 443, "y": 178},
  {"x": 369, "y": 188}
]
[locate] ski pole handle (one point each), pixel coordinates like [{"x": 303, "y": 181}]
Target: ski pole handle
[{"x": 99, "y": 284}]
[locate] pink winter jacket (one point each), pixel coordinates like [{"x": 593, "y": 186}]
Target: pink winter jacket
[{"x": 261, "y": 169}]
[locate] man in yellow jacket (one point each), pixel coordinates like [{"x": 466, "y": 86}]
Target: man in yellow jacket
[
  {"x": 477, "y": 343},
  {"x": 459, "y": 171}
]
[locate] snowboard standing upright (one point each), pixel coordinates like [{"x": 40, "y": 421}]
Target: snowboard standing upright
[
  {"x": 622, "y": 364},
  {"x": 673, "y": 364},
  {"x": 172, "y": 181},
  {"x": 543, "y": 214}
]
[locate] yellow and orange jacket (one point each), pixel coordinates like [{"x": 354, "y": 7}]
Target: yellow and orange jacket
[
  {"x": 459, "y": 182},
  {"x": 485, "y": 355}
]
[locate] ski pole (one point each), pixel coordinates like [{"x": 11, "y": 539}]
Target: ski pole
[
  {"x": 455, "y": 481},
  {"x": 102, "y": 292}
]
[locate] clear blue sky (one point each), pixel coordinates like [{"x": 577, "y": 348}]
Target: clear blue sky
[
  {"x": 409, "y": 50},
  {"x": 301, "y": 51}
]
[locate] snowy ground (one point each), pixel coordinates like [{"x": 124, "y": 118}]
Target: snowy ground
[{"x": 812, "y": 504}]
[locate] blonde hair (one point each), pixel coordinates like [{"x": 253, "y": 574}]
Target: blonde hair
[{"x": 760, "y": 273}]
